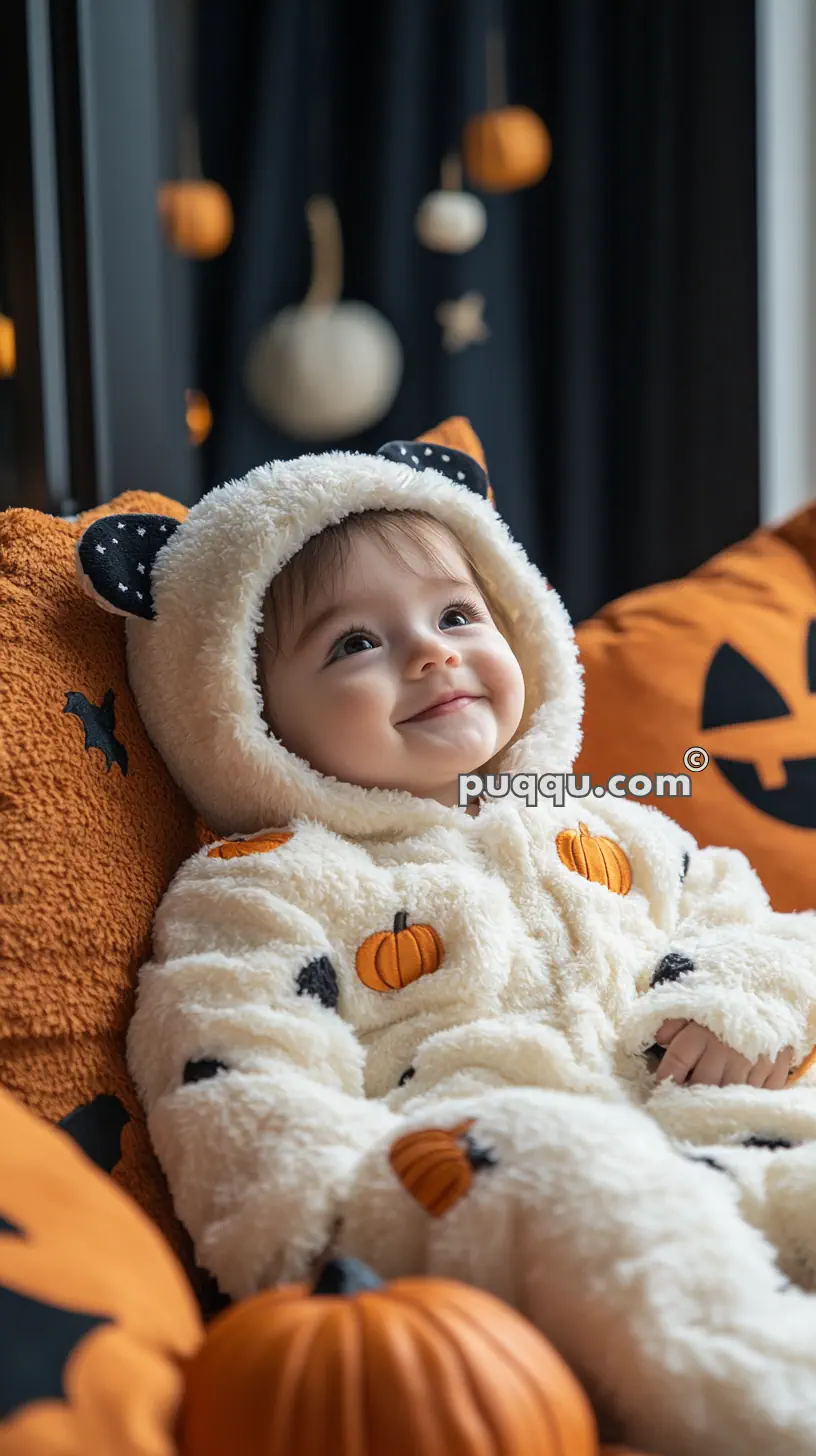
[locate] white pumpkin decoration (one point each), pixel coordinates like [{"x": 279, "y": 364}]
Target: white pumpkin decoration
[
  {"x": 324, "y": 369},
  {"x": 450, "y": 222}
]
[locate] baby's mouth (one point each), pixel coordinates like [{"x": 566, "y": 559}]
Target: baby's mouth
[{"x": 451, "y": 703}]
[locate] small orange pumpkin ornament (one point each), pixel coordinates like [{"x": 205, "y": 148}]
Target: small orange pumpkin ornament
[
  {"x": 196, "y": 216},
  {"x": 8, "y": 347},
  {"x": 96, "y": 1316},
  {"x": 389, "y": 960},
  {"x": 417, "y": 1367},
  {"x": 595, "y": 857},
  {"x": 237, "y": 848},
  {"x": 506, "y": 149},
  {"x": 436, "y": 1165},
  {"x": 197, "y": 416}
]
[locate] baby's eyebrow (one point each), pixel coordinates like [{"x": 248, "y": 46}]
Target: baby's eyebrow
[
  {"x": 316, "y": 622},
  {"x": 353, "y": 605}
]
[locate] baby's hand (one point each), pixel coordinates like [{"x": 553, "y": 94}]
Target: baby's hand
[{"x": 696, "y": 1056}]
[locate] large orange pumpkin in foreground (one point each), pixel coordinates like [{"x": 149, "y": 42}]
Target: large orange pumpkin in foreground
[
  {"x": 418, "y": 1367},
  {"x": 96, "y": 1316}
]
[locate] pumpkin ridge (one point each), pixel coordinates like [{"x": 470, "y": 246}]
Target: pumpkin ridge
[
  {"x": 448, "y": 1196},
  {"x": 406, "y": 964},
  {"x": 295, "y": 1359},
  {"x": 528, "y": 1371},
  {"x": 387, "y": 963},
  {"x": 468, "y": 1352},
  {"x": 405, "y": 1341},
  {"x": 410, "y": 1161},
  {"x": 415, "y": 1165}
]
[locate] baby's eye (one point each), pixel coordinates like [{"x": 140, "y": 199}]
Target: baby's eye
[
  {"x": 352, "y": 642},
  {"x": 460, "y": 614}
]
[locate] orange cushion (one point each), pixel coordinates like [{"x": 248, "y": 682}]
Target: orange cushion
[
  {"x": 96, "y": 1317},
  {"x": 724, "y": 659},
  {"x": 91, "y": 836}
]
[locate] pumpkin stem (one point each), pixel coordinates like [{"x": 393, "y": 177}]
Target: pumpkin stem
[
  {"x": 346, "y": 1276},
  {"x": 582, "y": 829},
  {"x": 451, "y": 173},
  {"x": 400, "y": 921},
  {"x": 327, "y": 252}
]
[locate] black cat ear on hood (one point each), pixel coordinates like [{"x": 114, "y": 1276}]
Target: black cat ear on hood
[
  {"x": 462, "y": 469},
  {"x": 115, "y": 559}
]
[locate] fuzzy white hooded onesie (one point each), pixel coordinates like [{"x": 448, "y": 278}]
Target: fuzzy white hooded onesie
[{"x": 649, "y": 1231}]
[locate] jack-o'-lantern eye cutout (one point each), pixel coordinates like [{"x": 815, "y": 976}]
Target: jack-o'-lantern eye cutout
[{"x": 738, "y": 701}]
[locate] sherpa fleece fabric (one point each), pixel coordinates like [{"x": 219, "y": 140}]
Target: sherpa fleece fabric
[{"x": 281, "y": 1077}]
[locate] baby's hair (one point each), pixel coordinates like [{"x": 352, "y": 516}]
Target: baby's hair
[{"x": 323, "y": 557}]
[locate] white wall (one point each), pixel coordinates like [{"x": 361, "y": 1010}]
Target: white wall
[{"x": 786, "y": 154}]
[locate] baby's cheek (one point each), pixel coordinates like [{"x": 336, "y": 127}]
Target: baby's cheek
[
  {"x": 503, "y": 678},
  {"x": 350, "y": 725}
]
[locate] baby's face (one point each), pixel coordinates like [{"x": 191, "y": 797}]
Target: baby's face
[{"x": 357, "y": 686}]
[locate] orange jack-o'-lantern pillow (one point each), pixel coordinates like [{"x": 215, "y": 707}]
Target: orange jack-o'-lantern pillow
[
  {"x": 723, "y": 660},
  {"x": 97, "y": 1321}
]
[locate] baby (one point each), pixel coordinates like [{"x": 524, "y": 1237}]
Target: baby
[
  {"x": 319, "y": 652},
  {"x": 384, "y": 663}
]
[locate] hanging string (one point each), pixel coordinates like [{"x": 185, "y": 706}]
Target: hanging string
[
  {"x": 496, "y": 59},
  {"x": 320, "y": 135},
  {"x": 190, "y": 142}
]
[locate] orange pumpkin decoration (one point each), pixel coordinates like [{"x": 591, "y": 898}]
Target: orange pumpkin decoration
[
  {"x": 96, "y": 1317},
  {"x": 236, "y": 848},
  {"x": 417, "y": 1367},
  {"x": 197, "y": 416},
  {"x": 8, "y": 347},
  {"x": 436, "y": 1165},
  {"x": 389, "y": 960},
  {"x": 724, "y": 659},
  {"x": 196, "y": 216},
  {"x": 595, "y": 857},
  {"x": 506, "y": 149}
]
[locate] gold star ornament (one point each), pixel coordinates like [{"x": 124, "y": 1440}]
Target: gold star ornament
[{"x": 462, "y": 322}]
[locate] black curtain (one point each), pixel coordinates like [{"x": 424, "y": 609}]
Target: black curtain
[{"x": 617, "y": 394}]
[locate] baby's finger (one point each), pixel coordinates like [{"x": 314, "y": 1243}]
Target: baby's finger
[
  {"x": 760, "y": 1072},
  {"x": 781, "y": 1068},
  {"x": 668, "y": 1031},
  {"x": 709, "y": 1070},
  {"x": 684, "y": 1053},
  {"x": 736, "y": 1071}
]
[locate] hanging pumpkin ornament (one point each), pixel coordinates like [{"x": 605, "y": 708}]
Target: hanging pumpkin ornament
[
  {"x": 505, "y": 147},
  {"x": 322, "y": 369},
  {"x": 8, "y": 347},
  {"x": 197, "y": 415},
  {"x": 196, "y": 215},
  {"x": 450, "y": 220},
  {"x": 415, "y": 1367}
]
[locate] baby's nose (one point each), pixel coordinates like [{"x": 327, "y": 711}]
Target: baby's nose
[{"x": 429, "y": 652}]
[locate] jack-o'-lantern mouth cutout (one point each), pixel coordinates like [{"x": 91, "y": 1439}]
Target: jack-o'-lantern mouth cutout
[{"x": 777, "y": 777}]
